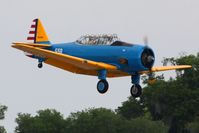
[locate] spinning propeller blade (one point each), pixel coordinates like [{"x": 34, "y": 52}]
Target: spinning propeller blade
[{"x": 151, "y": 75}]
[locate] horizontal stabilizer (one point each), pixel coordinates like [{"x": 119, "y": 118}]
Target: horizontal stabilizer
[{"x": 33, "y": 44}]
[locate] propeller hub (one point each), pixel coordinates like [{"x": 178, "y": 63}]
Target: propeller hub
[{"x": 147, "y": 57}]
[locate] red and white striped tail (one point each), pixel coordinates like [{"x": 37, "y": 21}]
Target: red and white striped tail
[
  {"x": 37, "y": 34},
  {"x": 32, "y": 35},
  {"x": 32, "y": 32}
]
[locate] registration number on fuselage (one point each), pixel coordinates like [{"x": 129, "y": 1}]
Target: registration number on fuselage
[{"x": 59, "y": 50}]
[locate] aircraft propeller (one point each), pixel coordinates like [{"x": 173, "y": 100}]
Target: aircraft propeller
[
  {"x": 145, "y": 39},
  {"x": 149, "y": 58}
]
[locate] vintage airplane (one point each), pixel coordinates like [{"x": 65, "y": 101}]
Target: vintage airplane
[{"x": 98, "y": 55}]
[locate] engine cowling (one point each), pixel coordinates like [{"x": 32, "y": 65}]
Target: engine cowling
[{"x": 147, "y": 58}]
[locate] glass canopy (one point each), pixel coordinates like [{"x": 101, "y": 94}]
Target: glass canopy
[{"x": 104, "y": 39}]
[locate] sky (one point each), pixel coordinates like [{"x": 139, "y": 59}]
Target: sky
[{"x": 172, "y": 27}]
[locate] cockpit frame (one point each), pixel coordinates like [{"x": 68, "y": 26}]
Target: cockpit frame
[{"x": 105, "y": 39}]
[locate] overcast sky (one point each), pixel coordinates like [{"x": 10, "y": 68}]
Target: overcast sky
[{"x": 172, "y": 27}]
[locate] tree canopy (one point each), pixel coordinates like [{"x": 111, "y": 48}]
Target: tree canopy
[
  {"x": 3, "y": 108},
  {"x": 176, "y": 101},
  {"x": 46, "y": 121},
  {"x": 97, "y": 120}
]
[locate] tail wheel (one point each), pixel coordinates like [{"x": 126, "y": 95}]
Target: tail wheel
[
  {"x": 40, "y": 65},
  {"x": 102, "y": 86},
  {"x": 136, "y": 90}
]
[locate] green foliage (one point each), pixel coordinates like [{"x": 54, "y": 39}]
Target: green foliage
[
  {"x": 2, "y": 111},
  {"x": 131, "y": 108},
  {"x": 94, "y": 120},
  {"x": 2, "y": 130},
  {"x": 98, "y": 120},
  {"x": 190, "y": 77},
  {"x": 46, "y": 121},
  {"x": 106, "y": 121},
  {"x": 141, "y": 125},
  {"x": 2, "y": 116},
  {"x": 175, "y": 102},
  {"x": 194, "y": 127}
]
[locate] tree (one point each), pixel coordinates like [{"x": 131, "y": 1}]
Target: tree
[
  {"x": 142, "y": 125},
  {"x": 46, "y": 121},
  {"x": 2, "y": 116},
  {"x": 103, "y": 120},
  {"x": 99, "y": 120},
  {"x": 175, "y": 101},
  {"x": 190, "y": 77},
  {"x": 194, "y": 126},
  {"x": 173, "y": 104},
  {"x": 131, "y": 108}
]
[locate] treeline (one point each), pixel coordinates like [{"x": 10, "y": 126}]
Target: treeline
[
  {"x": 99, "y": 120},
  {"x": 165, "y": 107},
  {"x": 3, "y": 108}
]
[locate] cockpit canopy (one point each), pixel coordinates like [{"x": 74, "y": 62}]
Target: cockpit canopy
[{"x": 105, "y": 39}]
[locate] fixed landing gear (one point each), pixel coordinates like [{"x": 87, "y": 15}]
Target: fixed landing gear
[
  {"x": 40, "y": 62},
  {"x": 40, "y": 65},
  {"x": 102, "y": 86},
  {"x": 136, "y": 90}
]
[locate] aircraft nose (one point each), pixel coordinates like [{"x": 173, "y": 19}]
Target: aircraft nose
[{"x": 147, "y": 57}]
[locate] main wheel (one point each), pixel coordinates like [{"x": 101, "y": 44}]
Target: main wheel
[
  {"x": 102, "y": 86},
  {"x": 136, "y": 90},
  {"x": 40, "y": 65}
]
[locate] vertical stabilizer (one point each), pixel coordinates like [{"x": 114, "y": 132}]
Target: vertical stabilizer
[{"x": 37, "y": 33}]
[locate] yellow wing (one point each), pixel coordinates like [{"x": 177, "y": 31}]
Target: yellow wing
[
  {"x": 165, "y": 68},
  {"x": 64, "y": 60},
  {"x": 79, "y": 65}
]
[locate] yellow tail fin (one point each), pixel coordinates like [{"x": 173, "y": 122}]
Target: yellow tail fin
[{"x": 37, "y": 33}]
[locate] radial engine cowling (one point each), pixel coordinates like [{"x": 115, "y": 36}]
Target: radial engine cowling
[{"x": 147, "y": 58}]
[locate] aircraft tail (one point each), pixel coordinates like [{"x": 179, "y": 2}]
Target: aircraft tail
[{"x": 37, "y": 33}]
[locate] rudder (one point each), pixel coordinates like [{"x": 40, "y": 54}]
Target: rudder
[{"x": 37, "y": 33}]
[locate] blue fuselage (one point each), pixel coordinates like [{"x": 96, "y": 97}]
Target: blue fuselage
[{"x": 126, "y": 58}]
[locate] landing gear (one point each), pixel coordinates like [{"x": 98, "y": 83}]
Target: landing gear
[
  {"x": 136, "y": 90},
  {"x": 102, "y": 86},
  {"x": 40, "y": 65},
  {"x": 40, "y": 62}
]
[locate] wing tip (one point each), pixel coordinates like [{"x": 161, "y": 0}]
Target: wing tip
[{"x": 185, "y": 66}]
